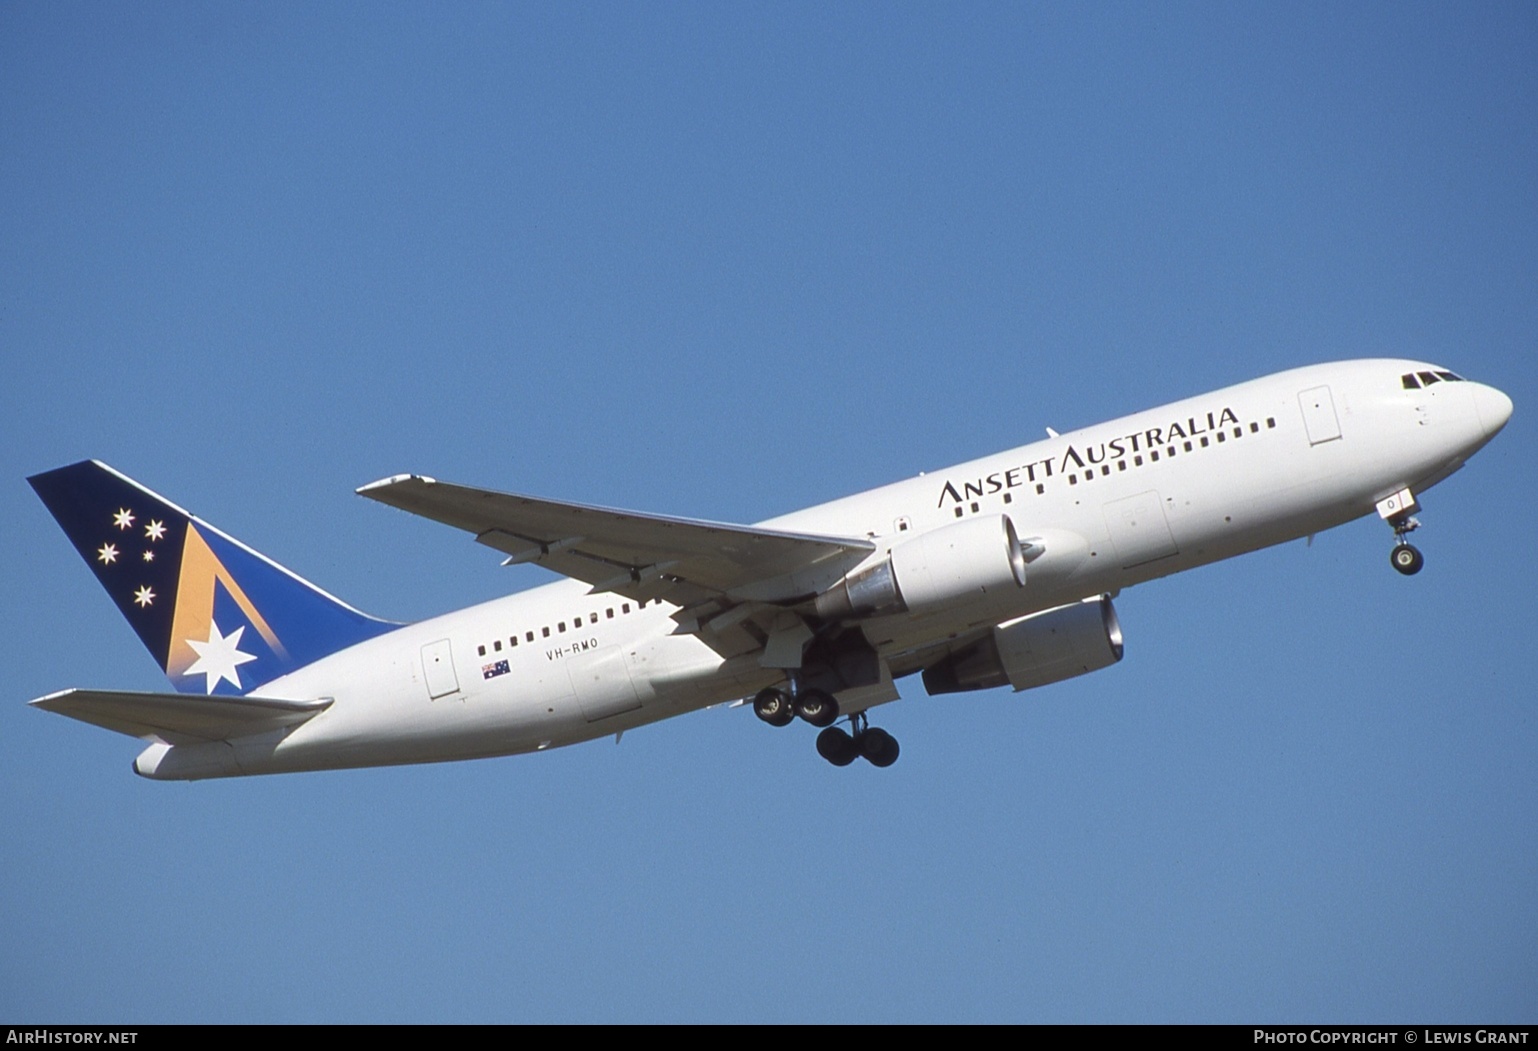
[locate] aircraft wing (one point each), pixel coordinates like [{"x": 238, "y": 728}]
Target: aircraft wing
[
  {"x": 179, "y": 718},
  {"x": 686, "y": 561}
]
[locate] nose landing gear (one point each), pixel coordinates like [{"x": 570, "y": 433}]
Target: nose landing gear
[
  {"x": 1407, "y": 558},
  {"x": 1396, "y": 510}
]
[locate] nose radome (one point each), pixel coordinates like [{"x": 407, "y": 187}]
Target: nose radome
[{"x": 1494, "y": 408}]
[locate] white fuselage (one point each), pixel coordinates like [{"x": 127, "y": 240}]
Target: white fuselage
[{"x": 1115, "y": 504}]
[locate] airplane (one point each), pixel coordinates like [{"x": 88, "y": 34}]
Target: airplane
[{"x": 996, "y": 572}]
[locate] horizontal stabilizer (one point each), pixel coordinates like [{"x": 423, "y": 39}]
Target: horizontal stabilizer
[{"x": 178, "y": 718}]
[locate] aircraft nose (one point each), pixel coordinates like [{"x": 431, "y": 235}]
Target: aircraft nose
[{"x": 1494, "y": 408}]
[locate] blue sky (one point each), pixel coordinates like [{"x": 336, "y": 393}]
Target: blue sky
[{"x": 726, "y": 261}]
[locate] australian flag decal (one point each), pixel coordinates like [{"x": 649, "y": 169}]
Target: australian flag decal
[{"x": 491, "y": 671}]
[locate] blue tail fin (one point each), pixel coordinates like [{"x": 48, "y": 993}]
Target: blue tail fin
[{"x": 217, "y": 616}]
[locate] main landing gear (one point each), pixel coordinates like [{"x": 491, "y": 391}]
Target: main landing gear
[
  {"x": 777, "y": 708},
  {"x": 871, "y": 743},
  {"x": 1396, "y": 510},
  {"x": 820, "y": 708}
]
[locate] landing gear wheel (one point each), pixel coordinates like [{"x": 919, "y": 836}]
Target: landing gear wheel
[
  {"x": 878, "y": 747},
  {"x": 837, "y": 747},
  {"x": 773, "y": 707},
  {"x": 1407, "y": 559},
  {"x": 817, "y": 707}
]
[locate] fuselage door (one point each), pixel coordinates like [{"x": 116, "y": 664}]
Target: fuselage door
[
  {"x": 438, "y": 668},
  {"x": 1319, "y": 417},
  {"x": 1139, "y": 529}
]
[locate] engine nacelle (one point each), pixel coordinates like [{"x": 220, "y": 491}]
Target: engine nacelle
[
  {"x": 943, "y": 567},
  {"x": 1034, "y": 651}
]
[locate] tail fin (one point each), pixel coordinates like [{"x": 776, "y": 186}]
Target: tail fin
[{"x": 217, "y": 616}]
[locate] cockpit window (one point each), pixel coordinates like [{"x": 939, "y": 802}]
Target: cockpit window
[{"x": 1417, "y": 380}]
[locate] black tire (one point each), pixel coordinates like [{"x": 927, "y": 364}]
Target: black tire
[
  {"x": 817, "y": 707},
  {"x": 773, "y": 707},
  {"x": 878, "y": 747},
  {"x": 837, "y": 747},
  {"x": 1407, "y": 559}
]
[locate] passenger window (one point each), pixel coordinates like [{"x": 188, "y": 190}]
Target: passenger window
[
  {"x": 561, "y": 626},
  {"x": 497, "y": 645}
]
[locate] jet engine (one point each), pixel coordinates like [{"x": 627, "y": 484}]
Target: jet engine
[
  {"x": 943, "y": 567},
  {"x": 1034, "y": 651}
]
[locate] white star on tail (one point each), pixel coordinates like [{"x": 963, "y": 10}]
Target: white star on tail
[
  {"x": 144, "y": 596},
  {"x": 123, "y": 519},
  {"x": 155, "y": 530},
  {"x": 107, "y": 554},
  {"x": 219, "y": 657}
]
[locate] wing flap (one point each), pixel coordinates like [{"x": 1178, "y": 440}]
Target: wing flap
[
  {"x": 633, "y": 554},
  {"x": 179, "y": 718}
]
